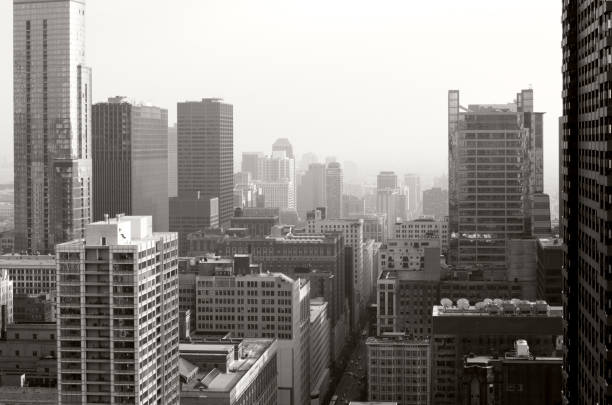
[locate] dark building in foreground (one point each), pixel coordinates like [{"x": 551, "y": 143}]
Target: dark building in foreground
[
  {"x": 490, "y": 328},
  {"x": 549, "y": 263},
  {"x": 130, "y": 161},
  {"x": 585, "y": 200},
  {"x": 515, "y": 378}
]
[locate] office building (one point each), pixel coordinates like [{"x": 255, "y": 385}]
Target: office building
[
  {"x": 398, "y": 369},
  {"x": 277, "y": 194},
  {"x": 386, "y": 180},
  {"x": 312, "y": 192},
  {"x": 31, "y": 274},
  {"x": 516, "y": 378},
  {"x": 352, "y": 232},
  {"x": 540, "y": 215},
  {"x": 35, "y": 308},
  {"x": 137, "y": 308},
  {"x": 521, "y": 266},
  {"x": 408, "y": 287},
  {"x": 435, "y": 203},
  {"x": 52, "y": 123},
  {"x": 229, "y": 372},
  {"x": 262, "y": 305},
  {"x": 352, "y": 206},
  {"x": 334, "y": 183},
  {"x": 283, "y": 144},
  {"x": 412, "y": 182},
  {"x": 6, "y": 298},
  {"x": 390, "y": 201},
  {"x": 130, "y": 161},
  {"x": 374, "y": 226},
  {"x": 423, "y": 228},
  {"x": 495, "y": 167},
  {"x": 28, "y": 351},
  {"x": 491, "y": 327},
  {"x": 257, "y": 225},
  {"x": 250, "y": 163},
  {"x": 18, "y": 395},
  {"x": 549, "y": 259},
  {"x": 7, "y": 242},
  {"x": 320, "y": 358},
  {"x": 585, "y": 202},
  {"x": 172, "y": 162},
  {"x": 205, "y": 144}
]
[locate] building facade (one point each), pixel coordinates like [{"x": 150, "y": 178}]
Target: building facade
[
  {"x": 435, "y": 203},
  {"x": 320, "y": 358},
  {"x": 549, "y": 259},
  {"x": 130, "y": 161},
  {"x": 31, "y": 274},
  {"x": 334, "y": 186},
  {"x": 121, "y": 331},
  {"x": 423, "y": 228},
  {"x": 495, "y": 167},
  {"x": 398, "y": 370},
  {"x": 205, "y": 175},
  {"x": 6, "y": 298},
  {"x": 52, "y": 123},
  {"x": 312, "y": 192}
]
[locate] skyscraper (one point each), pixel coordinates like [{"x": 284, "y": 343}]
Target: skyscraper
[
  {"x": 586, "y": 201},
  {"x": 312, "y": 190},
  {"x": 283, "y": 144},
  {"x": 172, "y": 162},
  {"x": 130, "y": 161},
  {"x": 413, "y": 183},
  {"x": 494, "y": 171},
  {"x": 52, "y": 113},
  {"x": 120, "y": 331},
  {"x": 333, "y": 190},
  {"x": 205, "y": 143}
]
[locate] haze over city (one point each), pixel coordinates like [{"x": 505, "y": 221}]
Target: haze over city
[{"x": 363, "y": 81}]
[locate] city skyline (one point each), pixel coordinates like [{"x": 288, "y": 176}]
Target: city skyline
[{"x": 379, "y": 48}]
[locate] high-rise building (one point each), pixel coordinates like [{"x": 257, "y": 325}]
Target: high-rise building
[
  {"x": 130, "y": 161},
  {"x": 283, "y": 144},
  {"x": 586, "y": 201},
  {"x": 386, "y": 180},
  {"x": 413, "y": 183},
  {"x": 398, "y": 369},
  {"x": 52, "y": 123},
  {"x": 423, "y": 228},
  {"x": 119, "y": 330},
  {"x": 172, "y": 162},
  {"x": 205, "y": 143},
  {"x": 320, "y": 359},
  {"x": 312, "y": 190},
  {"x": 435, "y": 202},
  {"x": 333, "y": 190},
  {"x": 495, "y": 155},
  {"x": 352, "y": 231},
  {"x": 250, "y": 163},
  {"x": 389, "y": 199}
]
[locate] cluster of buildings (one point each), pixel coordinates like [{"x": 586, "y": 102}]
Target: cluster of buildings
[{"x": 149, "y": 272}]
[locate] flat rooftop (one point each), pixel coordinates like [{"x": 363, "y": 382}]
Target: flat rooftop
[
  {"x": 215, "y": 379},
  {"x": 27, "y": 260}
]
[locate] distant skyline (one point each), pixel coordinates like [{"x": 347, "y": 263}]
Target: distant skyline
[{"x": 364, "y": 81}]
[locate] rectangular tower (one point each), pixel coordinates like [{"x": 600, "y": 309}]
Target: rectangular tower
[
  {"x": 118, "y": 320},
  {"x": 586, "y": 200},
  {"x": 52, "y": 115},
  {"x": 130, "y": 155},
  {"x": 495, "y": 155}
]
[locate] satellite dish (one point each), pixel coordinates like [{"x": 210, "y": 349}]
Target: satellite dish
[
  {"x": 487, "y": 301},
  {"x": 446, "y": 303},
  {"x": 480, "y": 305},
  {"x": 462, "y": 303},
  {"x": 497, "y": 301}
]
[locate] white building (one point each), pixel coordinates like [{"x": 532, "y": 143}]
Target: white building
[
  {"x": 6, "y": 297},
  {"x": 423, "y": 228},
  {"x": 319, "y": 350},
  {"x": 118, "y": 314},
  {"x": 398, "y": 369},
  {"x": 277, "y": 194},
  {"x": 352, "y": 232},
  {"x": 264, "y": 305}
]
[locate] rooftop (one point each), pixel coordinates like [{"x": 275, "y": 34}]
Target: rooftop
[
  {"x": 551, "y": 242},
  {"x": 215, "y": 379},
  {"x": 496, "y": 307},
  {"x": 27, "y": 260}
]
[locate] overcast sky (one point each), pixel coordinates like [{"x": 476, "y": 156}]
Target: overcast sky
[{"x": 365, "y": 81}]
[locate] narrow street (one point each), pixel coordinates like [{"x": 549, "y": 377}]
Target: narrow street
[{"x": 352, "y": 385}]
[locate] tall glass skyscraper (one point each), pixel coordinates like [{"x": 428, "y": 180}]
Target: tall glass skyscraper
[
  {"x": 52, "y": 115},
  {"x": 495, "y": 169}
]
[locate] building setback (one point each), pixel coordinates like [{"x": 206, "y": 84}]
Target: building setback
[
  {"x": 137, "y": 308},
  {"x": 52, "y": 123},
  {"x": 130, "y": 161}
]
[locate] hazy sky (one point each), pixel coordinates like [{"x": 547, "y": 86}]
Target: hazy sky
[{"x": 362, "y": 80}]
